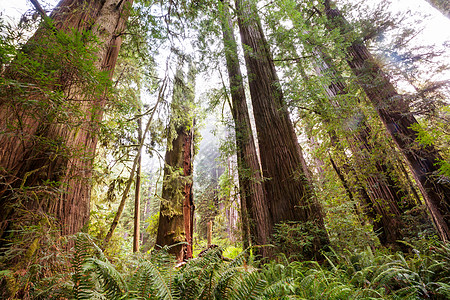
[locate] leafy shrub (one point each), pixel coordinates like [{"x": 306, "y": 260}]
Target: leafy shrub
[{"x": 297, "y": 239}]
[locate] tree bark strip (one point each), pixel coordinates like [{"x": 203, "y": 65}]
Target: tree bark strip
[
  {"x": 137, "y": 195},
  {"x": 188, "y": 204}
]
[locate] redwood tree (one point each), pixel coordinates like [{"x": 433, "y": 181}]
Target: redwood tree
[
  {"x": 290, "y": 195},
  {"x": 387, "y": 200},
  {"x": 50, "y": 108},
  {"x": 255, "y": 206},
  {"x": 392, "y": 108},
  {"x": 176, "y": 217}
]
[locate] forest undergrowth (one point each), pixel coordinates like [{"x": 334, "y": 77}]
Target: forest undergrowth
[{"x": 87, "y": 273}]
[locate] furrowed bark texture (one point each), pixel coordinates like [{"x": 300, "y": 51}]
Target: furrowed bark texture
[
  {"x": 254, "y": 205},
  {"x": 188, "y": 203},
  {"x": 35, "y": 146},
  {"x": 176, "y": 217},
  {"x": 393, "y": 111},
  {"x": 288, "y": 190},
  {"x": 176, "y": 198}
]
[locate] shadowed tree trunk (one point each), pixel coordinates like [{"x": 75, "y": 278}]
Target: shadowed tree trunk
[
  {"x": 442, "y": 5},
  {"x": 48, "y": 130},
  {"x": 388, "y": 200},
  {"x": 254, "y": 205},
  {"x": 290, "y": 195},
  {"x": 175, "y": 228},
  {"x": 399, "y": 122}
]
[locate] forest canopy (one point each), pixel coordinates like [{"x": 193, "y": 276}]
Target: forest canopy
[{"x": 292, "y": 149}]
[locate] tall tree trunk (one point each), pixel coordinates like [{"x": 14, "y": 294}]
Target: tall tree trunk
[
  {"x": 254, "y": 204},
  {"x": 137, "y": 194},
  {"x": 289, "y": 193},
  {"x": 176, "y": 216},
  {"x": 46, "y": 157},
  {"x": 399, "y": 122},
  {"x": 387, "y": 198},
  {"x": 176, "y": 206}
]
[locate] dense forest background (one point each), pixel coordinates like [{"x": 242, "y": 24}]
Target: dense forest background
[{"x": 245, "y": 149}]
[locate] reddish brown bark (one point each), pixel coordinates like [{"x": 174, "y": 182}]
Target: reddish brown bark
[
  {"x": 176, "y": 217},
  {"x": 188, "y": 203},
  {"x": 173, "y": 228},
  {"x": 288, "y": 190},
  {"x": 254, "y": 204},
  {"x": 39, "y": 146},
  {"x": 393, "y": 111}
]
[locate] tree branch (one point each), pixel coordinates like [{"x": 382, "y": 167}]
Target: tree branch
[{"x": 39, "y": 9}]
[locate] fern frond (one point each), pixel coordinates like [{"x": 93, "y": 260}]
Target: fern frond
[
  {"x": 112, "y": 283},
  {"x": 151, "y": 283},
  {"x": 251, "y": 286}
]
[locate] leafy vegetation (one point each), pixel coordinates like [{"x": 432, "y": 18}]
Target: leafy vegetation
[
  {"x": 422, "y": 274},
  {"x": 341, "y": 192}
]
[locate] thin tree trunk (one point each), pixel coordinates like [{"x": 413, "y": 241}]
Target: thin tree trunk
[
  {"x": 119, "y": 212},
  {"x": 399, "y": 122},
  {"x": 137, "y": 195},
  {"x": 254, "y": 204},
  {"x": 291, "y": 197}
]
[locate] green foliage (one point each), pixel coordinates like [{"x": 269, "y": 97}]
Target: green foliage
[
  {"x": 296, "y": 239},
  {"x": 29, "y": 254},
  {"x": 423, "y": 274},
  {"x": 364, "y": 275},
  {"x": 154, "y": 277},
  {"x": 435, "y": 131}
]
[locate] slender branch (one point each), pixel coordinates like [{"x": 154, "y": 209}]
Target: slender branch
[
  {"x": 293, "y": 59},
  {"x": 39, "y": 9},
  {"x": 133, "y": 170}
]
